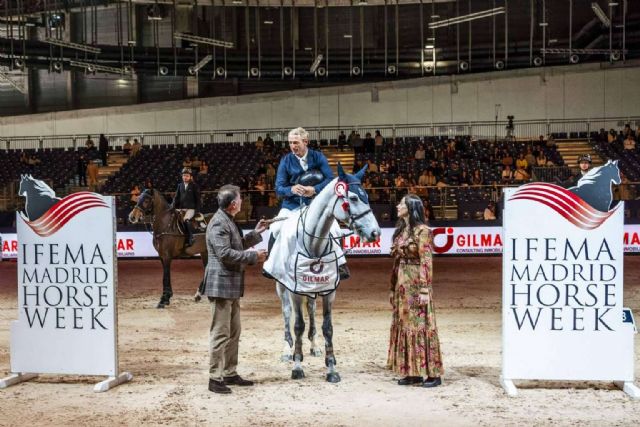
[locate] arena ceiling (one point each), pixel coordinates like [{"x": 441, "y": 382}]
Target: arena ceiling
[{"x": 174, "y": 49}]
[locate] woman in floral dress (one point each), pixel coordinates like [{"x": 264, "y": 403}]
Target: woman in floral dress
[{"x": 414, "y": 347}]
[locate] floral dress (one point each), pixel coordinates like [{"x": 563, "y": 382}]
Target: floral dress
[{"x": 414, "y": 347}]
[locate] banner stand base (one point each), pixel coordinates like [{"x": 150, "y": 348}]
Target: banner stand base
[
  {"x": 509, "y": 387},
  {"x": 112, "y": 382},
  {"x": 16, "y": 379},
  {"x": 628, "y": 387}
]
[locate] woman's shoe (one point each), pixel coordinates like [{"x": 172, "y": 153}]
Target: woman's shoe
[
  {"x": 432, "y": 382},
  {"x": 410, "y": 380}
]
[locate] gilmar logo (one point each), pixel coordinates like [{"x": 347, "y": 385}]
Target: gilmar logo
[
  {"x": 45, "y": 213},
  {"x": 317, "y": 267},
  {"x": 352, "y": 242},
  {"x": 448, "y": 243}
]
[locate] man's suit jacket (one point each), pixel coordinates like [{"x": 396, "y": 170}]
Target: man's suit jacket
[
  {"x": 224, "y": 275},
  {"x": 290, "y": 170},
  {"x": 187, "y": 199}
]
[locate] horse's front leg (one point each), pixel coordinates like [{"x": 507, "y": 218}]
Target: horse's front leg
[
  {"x": 297, "y": 372},
  {"x": 202, "y": 287},
  {"x": 167, "y": 293},
  {"x": 311, "y": 311},
  {"x": 327, "y": 331},
  {"x": 285, "y": 302}
]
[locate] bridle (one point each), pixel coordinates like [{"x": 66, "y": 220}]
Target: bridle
[{"x": 346, "y": 206}]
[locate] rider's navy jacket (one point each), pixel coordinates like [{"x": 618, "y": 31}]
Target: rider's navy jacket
[{"x": 290, "y": 170}]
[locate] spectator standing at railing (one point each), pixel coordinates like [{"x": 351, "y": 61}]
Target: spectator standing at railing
[
  {"x": 103, "y": 146},
  {"x": 357, "y": 144},
  {"x": 268, "y": 143},
  {"x": 541, "y": 160},
  {"x": 81, "y": 169},
  {"x": 379, "y": 142},
  {"x": 89, "y": 143},
  {"x": 259, "y": 144},
  {"x": 420, "y": 154},
  {"x": 136, "y": 147},
  {"x": 126, "y": 148},
  {"x": 342, "y": 140},
  {"x": 369, "y": 144}
]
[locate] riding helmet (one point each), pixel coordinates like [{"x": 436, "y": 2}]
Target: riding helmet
[{"x": 584, "y": 158}]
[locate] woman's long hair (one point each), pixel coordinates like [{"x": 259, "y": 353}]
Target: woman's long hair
[{"x": 416, "y": 215}]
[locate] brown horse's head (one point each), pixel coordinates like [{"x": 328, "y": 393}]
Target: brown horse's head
[{"x": 142, "y": 208}]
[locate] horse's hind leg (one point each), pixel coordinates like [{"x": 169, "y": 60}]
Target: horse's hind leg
[
  {"x": 297, "y": 372},
  {"x": 167, "y": 293},
  {"x": 327, "y": 330},
  {"x": 311, "y": 311},
  {"x": 285, "y": 301}
]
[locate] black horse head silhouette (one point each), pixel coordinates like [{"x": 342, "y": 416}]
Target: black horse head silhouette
[
  {"x": 595, "y": 186},
  {"x": 39, "y": 197}
]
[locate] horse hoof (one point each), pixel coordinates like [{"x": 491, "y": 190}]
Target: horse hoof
[
  {"x": 297, "y": 374},
  {"x": 333, "y": 377},
  {"x": 316, "y": 352},
  {"x": 161, "y": 305}
]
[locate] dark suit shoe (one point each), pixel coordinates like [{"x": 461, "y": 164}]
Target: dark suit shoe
[
  {"x": 410, "y": 380},
  {"x": 218, "y": 387},
  {"x": 237, "y": 380},
  {"x": 432, "y": 382}
]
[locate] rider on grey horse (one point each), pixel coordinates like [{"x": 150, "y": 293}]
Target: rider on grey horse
[{"x": 302, "y": 174}]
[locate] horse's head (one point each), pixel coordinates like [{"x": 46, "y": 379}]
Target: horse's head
[
  {"x": 27, "y": 184},
  {"x": 354, "y": 209},
  {"x": 604, "y": 175},
  {"x": 611, "y": 171},
  {"x": 143, "y": 207}
]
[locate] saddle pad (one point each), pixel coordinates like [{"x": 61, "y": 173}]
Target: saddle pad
[{"x": 315, "y": 276}]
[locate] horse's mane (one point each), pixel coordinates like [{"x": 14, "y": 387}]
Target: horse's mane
[
  {"x": 41, "y": 188},
  {"x": 594, "y": 174}
]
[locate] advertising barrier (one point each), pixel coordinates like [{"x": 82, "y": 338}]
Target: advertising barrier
[{"x": 447, "y": 241}]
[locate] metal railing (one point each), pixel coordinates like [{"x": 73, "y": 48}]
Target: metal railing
[
  {"x": 449, "y": 199},
  {"x": 489, "y": 130}
]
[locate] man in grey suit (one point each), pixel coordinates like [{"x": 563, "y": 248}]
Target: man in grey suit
[{"x": 224, "y": 280}]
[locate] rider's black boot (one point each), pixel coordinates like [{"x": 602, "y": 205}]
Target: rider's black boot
[{"x": 189, "y": 230}]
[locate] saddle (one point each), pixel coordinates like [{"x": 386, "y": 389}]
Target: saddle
[{"x": 198, "y": 222}]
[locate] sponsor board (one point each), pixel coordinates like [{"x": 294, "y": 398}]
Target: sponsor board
[
  {"x": 562, "y": 298},
  {"x": 447, "y": 241},
  {"x": 67, "y": 317}
]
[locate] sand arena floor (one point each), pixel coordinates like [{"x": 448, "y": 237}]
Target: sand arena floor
[{"x": 166, "y": 350}]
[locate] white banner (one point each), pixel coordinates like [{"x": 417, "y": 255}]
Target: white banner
[
  {"x": 447, "y": 241},
  {"x": 562, "y": 299},
  {"x": 66, "y": 287}
]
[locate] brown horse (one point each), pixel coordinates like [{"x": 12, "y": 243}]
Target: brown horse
[{"x": 168, "y": 237}]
